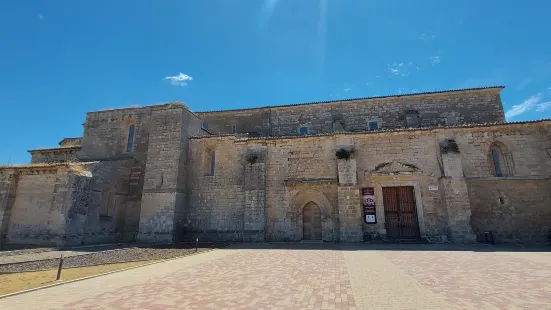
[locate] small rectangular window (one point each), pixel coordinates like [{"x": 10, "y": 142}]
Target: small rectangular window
[
  {"x": 212, "y": 162},
  {"x": 373, "y": 125},
  {"x": 130, "y": 143},
  {"x": 205, "y": 125},
  {"x": 233, "y": 128},
  {"x": 303, "y": 130}
]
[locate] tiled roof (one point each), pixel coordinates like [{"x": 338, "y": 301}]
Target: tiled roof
[
  {"x": 60, "y": 148},
  {"x": 244, "y": 137},
  {"x": 70, "y": 139},
  {"x": 43, "y": 165},
  {"x": 353, "y": 99}
]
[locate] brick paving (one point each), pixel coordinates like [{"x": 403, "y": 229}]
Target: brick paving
[{"x": 305, "y": 277}]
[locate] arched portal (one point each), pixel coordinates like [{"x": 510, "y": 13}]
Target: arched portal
[{"x": 311, "y": 222}]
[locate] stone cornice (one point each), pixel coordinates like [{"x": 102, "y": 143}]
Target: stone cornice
[{"x": 55, "y": 149}]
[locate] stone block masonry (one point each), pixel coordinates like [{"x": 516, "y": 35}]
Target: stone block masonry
[
  {"x": 164, "y": 195},
  {"x": 162, "y": 173},
  {"x": 472, "y": 106},
  {"x": 300, "y": 170}
]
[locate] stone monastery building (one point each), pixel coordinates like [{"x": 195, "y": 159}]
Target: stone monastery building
[{"x": 440, "y": 166}]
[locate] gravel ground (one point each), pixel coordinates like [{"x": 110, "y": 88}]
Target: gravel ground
[
  {"x": 107, "y": 257},
  {"x": 8, "y": 253},
  {"x": 56, "y": 253}
]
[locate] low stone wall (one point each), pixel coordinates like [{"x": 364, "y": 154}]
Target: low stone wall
[{"x": 515, "y": 210}]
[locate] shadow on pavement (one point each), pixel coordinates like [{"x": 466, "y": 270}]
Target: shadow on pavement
[{"x": 395, "y": 247}]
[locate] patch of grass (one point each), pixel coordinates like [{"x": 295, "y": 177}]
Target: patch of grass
[{"x": 13, "y": 282}]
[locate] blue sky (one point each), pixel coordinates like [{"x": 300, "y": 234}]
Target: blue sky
[{"x": 60, "y": 59}]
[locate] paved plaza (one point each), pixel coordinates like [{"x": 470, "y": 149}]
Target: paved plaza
[{"x": 303, "y": 276}]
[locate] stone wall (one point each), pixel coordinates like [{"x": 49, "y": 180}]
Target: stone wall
[
  {"x": 303, "y": 169},
  {"x": 248, "y": 120},
  {"x": 165, "y": 197},
  {"x": 106, "y": 137},
  {"x": 37, "y": 214},
  {"x": 88, "y": 185},
  {"x": 8, "y": 188},
  {"x": 417, "y": 110},
  {"x": 299, "y": 171},
  {"x": 515, "y": 210},
  {"x": 525, "y": 144},
  {"x": 217, "y": 201},
  {"x": 167, "y": 188},
  {"x": 59, "y": 204},
  {"x": 55, "y": 155}
]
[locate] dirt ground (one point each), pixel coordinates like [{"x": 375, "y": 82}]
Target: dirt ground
[{"x": 13, "y": 282}]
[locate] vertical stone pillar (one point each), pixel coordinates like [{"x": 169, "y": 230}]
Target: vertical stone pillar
[
  {"x": 8, "y": 189},
  {"x": 161, "y": 195},
  {"x": 348, "y": 195},
  {"x": 455, "y": 194},
  {"x": 255, "y": 196}
]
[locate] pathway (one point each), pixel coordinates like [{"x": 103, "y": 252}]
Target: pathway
[{"x": 265, "y": 276}]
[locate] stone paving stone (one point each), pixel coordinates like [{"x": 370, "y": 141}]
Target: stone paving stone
[
  {"x": 327, "y": 277},
  {"x": 481, "y": 280},
  {"x": 379, "y": 284}
]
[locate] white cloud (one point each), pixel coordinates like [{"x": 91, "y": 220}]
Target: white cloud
[
  {"x": 543, "y": 106},
  {"x": 403, "y": 69},
  {"x": 532, "y": 103},
  {"x": 179, "y": 80},
  {"x": 40, "y": 17},
  {"x": 434, "y": 60},
  {"x": 347, "y": 89}
]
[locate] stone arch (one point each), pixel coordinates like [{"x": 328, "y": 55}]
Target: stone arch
[
  {"x": 500, "y": 160},
  {"x": 300, "y": 200},
  {"x": 311, "y": 222}
]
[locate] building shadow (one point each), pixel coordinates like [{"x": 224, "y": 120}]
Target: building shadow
[{"x": 478, "y": 247}]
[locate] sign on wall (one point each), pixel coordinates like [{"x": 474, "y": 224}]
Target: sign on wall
[{"x": 368, "y": 200}]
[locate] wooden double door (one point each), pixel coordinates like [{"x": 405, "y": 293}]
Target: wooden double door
[
  {"x": 400, "y": 213},
  {"x": 311, "y": 222}
]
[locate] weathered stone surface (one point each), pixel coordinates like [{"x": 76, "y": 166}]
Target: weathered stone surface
[
  {"x": 174, "y": 179},
  {"x": 463, "y": 107}
]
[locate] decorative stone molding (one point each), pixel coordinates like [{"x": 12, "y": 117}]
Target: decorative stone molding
[{"x": 394, "y": 168}]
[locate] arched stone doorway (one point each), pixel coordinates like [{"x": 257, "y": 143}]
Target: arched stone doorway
[{"x": 311, "y": 222}]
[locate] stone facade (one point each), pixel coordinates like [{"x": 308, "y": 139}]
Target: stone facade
[{"x": 163, "y": 173}]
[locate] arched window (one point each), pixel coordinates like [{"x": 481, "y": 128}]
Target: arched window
[
  {"x": 501, "y": 161},
  {"x": 130, "y": 143},
  {"x": 497, "y": 162}
]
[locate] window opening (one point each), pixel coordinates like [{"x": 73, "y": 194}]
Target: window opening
[{"x": 130, "y": 143}]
